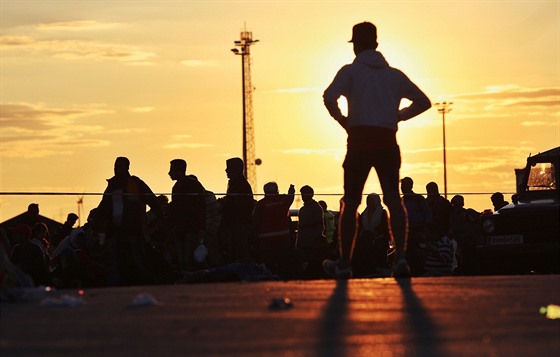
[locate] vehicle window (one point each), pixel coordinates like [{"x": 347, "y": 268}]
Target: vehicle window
[{"x": 542, "y": 177}]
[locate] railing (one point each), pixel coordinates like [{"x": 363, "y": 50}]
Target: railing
[{"x": 56, "y": 205}]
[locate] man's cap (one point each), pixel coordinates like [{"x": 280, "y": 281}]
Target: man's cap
[{"x": 364, "y": 32}]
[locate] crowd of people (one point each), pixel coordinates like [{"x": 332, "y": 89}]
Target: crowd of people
[{"x": 123, "y": 243}]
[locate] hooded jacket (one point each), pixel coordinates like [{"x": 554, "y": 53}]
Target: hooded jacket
[{"x": 374, "y": 91}]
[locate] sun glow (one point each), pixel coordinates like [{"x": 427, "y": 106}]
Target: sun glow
[{"x": 168, "y": 87}]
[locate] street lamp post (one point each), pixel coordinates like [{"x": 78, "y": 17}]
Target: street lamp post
[{"x": 443, "y": 108}]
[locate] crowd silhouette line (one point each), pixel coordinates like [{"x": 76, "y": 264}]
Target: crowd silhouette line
[{"x": 193, "y": 236}]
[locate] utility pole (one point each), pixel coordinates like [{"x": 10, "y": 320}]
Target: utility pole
[
  {"x": 443, "y": 108},
  {"x": 244, "y": 44}
]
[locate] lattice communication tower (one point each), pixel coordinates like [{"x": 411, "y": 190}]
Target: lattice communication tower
[{"x": 249, "y": 159}]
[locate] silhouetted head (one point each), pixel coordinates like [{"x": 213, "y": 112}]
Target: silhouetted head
[
  {"x": 21, "y": 232},
  {"x": 177, "y": 168},
  {"x": 122, "y": 165},
  {"x": 78, "y": 238},
  {"x": 33, "y": 209},
  {"x": 71, "y": 219},
  {"x": 498, "y": 200},
  {"x": 373, "y": 200},
  {"x": 163, "y": 200},
  {"x": 306, "y": 193},
  {"x": 91, "y": 215},
  {"x": 39, "y": 230},
  {"x": 406, "y": 185},
  {"x": 458, "y": 201},
  {"x": 270, "y": 188},
  {"x": 323, "y": 205},
  {"x": 497, "y": 197},
  {"x": 364, "y": 37},
  {"x": 432, "y": 189},
  {"x": 234, "y": 167}
]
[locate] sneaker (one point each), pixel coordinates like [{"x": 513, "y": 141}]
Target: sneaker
[
  {"x": 401, "y": 269},
  {"x": 330, "y": 267}
]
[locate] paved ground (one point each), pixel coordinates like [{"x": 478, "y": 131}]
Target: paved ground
[{"x": 452, "y": 316}]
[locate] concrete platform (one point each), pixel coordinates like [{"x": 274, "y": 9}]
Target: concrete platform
[{"x": 451, "y": 316}]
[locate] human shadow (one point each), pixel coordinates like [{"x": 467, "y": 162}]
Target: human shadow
[
  {"x": 422, "y": 328},
  {"x": 334, "y": 318}
]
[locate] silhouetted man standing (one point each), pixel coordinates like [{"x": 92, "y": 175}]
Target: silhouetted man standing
[
  {"x": 419, "y": 217},
  {"x": 187, "y": 212},
  {"x": 271, "y": 222},
  {"x": 374, "y": 91},
  {"x": 441, "y": 212},
  {"x": 311, "y": 242},
  {"x": 122, "y": 216},
  {"x": 237, "y": 213}
]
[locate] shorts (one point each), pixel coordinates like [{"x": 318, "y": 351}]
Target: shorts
[{"x": 357, "y": 165}]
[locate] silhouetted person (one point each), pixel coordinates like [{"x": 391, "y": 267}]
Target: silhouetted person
[
  {"x": 372, "y": 243},
  {"x": 271, "y": 221},
  {"x": 374, "y": 91},
  {"x": 419, "y": 219},
  {"x": 237, "y": 213},
  {"x": 12, "y": 276},
  {"x": 213, "y": 219},
  {"x": 311, "y": 241},
  {"x": 160, "y": 247},
  {"x": 121, "y": 214},
  {"x": 65, "y": 230},
  {"x": 31, "y": 217},
  {"x": 498, "y": 201},
  {"x": 39, "y": 237},
  {"x": 462, "y": 229},
  {"x": 156, "y": 229},
  {"x": 28, "y": 256},
  {"x": 97, "y": 242},
  {"x": 439, "y": 257},
  {"x": 329, "y": 222},
  {"x": 439, "y": 248},
  {"x": 187, "y": 213},
  {"x": 441, "y": 211}
]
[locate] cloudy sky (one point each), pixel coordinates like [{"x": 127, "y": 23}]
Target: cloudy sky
[{"x": 82, "y": 82}]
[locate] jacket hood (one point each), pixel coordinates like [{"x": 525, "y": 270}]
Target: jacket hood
[{"x": 371, "y": 58}]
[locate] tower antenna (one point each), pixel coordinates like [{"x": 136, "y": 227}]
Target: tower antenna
[{"x": 242, "y": 49}]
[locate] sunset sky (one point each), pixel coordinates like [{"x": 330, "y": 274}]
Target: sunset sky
[{"x": 82, "y": 82}]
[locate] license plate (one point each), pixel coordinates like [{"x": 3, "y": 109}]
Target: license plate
[{"x": 508, "y": 239}]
